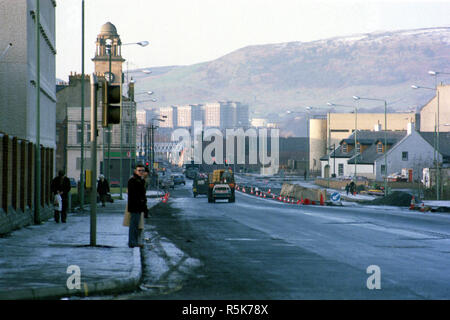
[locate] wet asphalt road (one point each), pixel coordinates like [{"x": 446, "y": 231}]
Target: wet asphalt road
[{"x": 262, "y": 249}]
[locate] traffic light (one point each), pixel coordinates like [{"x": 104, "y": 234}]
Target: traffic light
[{"x": 111, "y": 104}]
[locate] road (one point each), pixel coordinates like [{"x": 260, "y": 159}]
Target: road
[{"x": 262, "y": 249}]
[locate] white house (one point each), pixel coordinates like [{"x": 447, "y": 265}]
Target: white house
[
  {"x": 412, "y": 153},
  {"x": 369, "y": 147}
]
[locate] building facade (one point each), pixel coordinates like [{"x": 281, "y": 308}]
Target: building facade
[
  {"x": 428, "y": 113},
  {"x": 19, "y": 120}
]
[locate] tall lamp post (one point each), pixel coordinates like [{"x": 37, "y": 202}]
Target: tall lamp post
[
  {"x": 141, "y": 44},
  {"x": 437, "y": 126},
  {"x": 329, "y": 135},
  {"x": 385, "y": 138}
]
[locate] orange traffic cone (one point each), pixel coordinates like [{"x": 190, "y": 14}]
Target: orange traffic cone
[
  {"x": 321, "y": 200},
  {"x": 422, "y": 207},
  {"x": 411, "y": 207}
]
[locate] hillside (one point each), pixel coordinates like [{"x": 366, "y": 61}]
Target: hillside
[{"x": 291, "y": 76}]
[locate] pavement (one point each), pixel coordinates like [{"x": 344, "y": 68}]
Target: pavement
[{"x": 43, "y": 261}]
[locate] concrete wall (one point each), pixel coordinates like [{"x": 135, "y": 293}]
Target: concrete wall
[{"x": 17, "y": 173}]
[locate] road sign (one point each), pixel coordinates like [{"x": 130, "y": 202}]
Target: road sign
[{"x": 335, "y": 197}]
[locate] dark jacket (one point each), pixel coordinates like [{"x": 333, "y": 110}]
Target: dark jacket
[
  {"x": 61, "y": 183},
  {"x": 102, "y": 186},
  {"x": 137, "y": 200}
]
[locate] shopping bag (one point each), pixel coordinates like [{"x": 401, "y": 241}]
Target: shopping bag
[{"x": 126, "y": 217}]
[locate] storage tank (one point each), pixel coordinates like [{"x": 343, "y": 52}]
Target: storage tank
[{"x": 317, "y": 142}]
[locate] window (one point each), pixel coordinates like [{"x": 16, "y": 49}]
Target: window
[
  {"x": 383, "y": 169},
  {"x": 358, "y": 147},
  {"x": 344, "y": 147},
  {"x": 341, "y": 169},
  {"x": 379, "y": 147},
  {"x": 405, "y": 156},
  {"x": 79, "y": 136}
]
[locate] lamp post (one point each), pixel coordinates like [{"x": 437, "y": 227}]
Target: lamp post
[
  {"x": 385, "y": 138},
  {"x": 329, "y": 133},
  {"x": 82, "y": 111},
  {"x": 141, "y": 44},
  {"x": 436, "y": 129},
  {"x": 152, "y": 127}
]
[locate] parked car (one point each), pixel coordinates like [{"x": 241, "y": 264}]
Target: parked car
[
  {"x": 114, "y": 183},
  {"x": 178, "y": 179},
  {"x": 397, "y": 177},
  {"x": 166, "y": 183}
]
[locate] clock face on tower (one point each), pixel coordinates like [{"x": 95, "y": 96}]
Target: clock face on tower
[{"x": 109, "y": 77}]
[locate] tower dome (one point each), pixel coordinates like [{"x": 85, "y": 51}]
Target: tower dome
[{"x": 108, "y": 29}]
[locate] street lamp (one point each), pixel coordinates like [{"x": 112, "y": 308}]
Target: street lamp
[
  {"x": 329, "y": 131},
  {"x": 385, "y": 138},
  {"x": 142, "y": 44},
  {"x": 437, "y": 145}
]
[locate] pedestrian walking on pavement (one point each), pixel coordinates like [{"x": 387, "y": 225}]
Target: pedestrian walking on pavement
[
  {"x": 61, "y": 185},
  {"x": 102, "y": 189},
  {"x": 137, "y": 205},
  {"x": 347, "y": 188},
  {"x": 57, "y": 204}
]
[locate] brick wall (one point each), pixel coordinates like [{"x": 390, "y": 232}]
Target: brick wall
[{"x": 17, "y": 183}]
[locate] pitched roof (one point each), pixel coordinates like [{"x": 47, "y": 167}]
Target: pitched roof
[
  {"x": 366, "y": 137},
  {"x": 444, "y": 142}
]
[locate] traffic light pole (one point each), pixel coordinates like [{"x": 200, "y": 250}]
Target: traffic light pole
[{"x": 94, "y": 88}]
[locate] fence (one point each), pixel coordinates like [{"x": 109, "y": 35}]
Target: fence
[{"x": 17, "y": 174}]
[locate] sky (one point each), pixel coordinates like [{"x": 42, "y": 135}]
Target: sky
[{"x": 184, "y": 32}]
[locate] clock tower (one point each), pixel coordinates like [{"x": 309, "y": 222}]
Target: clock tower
[{"x": 108, "y": 35}]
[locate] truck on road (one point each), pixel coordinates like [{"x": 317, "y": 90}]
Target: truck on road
[{"x": 221, "y": 185}]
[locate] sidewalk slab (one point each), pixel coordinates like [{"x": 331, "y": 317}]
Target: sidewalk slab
[{"x": 34, "y": 260}]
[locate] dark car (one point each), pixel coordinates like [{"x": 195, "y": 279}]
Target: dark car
[{"x": 178, "y": 179}]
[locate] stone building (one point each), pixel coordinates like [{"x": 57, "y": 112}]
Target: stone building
[
  {"x": 19, "y": 119},
  {"x": 110, "y": 148}
]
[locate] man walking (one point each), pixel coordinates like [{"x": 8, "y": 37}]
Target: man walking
[
  {"x": 102, "y": 189},
  {"x": 137, "y": 204},
  {"x": 61, "y": 185}
]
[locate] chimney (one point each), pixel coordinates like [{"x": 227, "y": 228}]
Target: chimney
[
  {"x": 410, "y": 127},
  {"x": 377, "y": 127}
]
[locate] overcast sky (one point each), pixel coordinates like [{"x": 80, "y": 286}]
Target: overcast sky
[{"x": 183, "y": 32}]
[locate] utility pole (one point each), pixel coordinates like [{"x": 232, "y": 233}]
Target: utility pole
[
  {"x": 82, "y": 179},
  {"x": 94, "y": 101}
]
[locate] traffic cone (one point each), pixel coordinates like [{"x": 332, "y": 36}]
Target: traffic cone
[
  {"x": 422, "y": 207},
  {"x": 243, "y": 190},
  {"x": 269, "y": 191},
  {"x": 321, "y": 200},
  {"x": 411, "y": 207},
  {"x": 298, "y": 201},
  {"x": 251, "y": 190}
]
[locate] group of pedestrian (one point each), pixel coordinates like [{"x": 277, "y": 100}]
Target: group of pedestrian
[
  {"x": 351, "y": 187},
  {"x": 136, "y": 204},
  {"x": 60, "y": 187}
]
